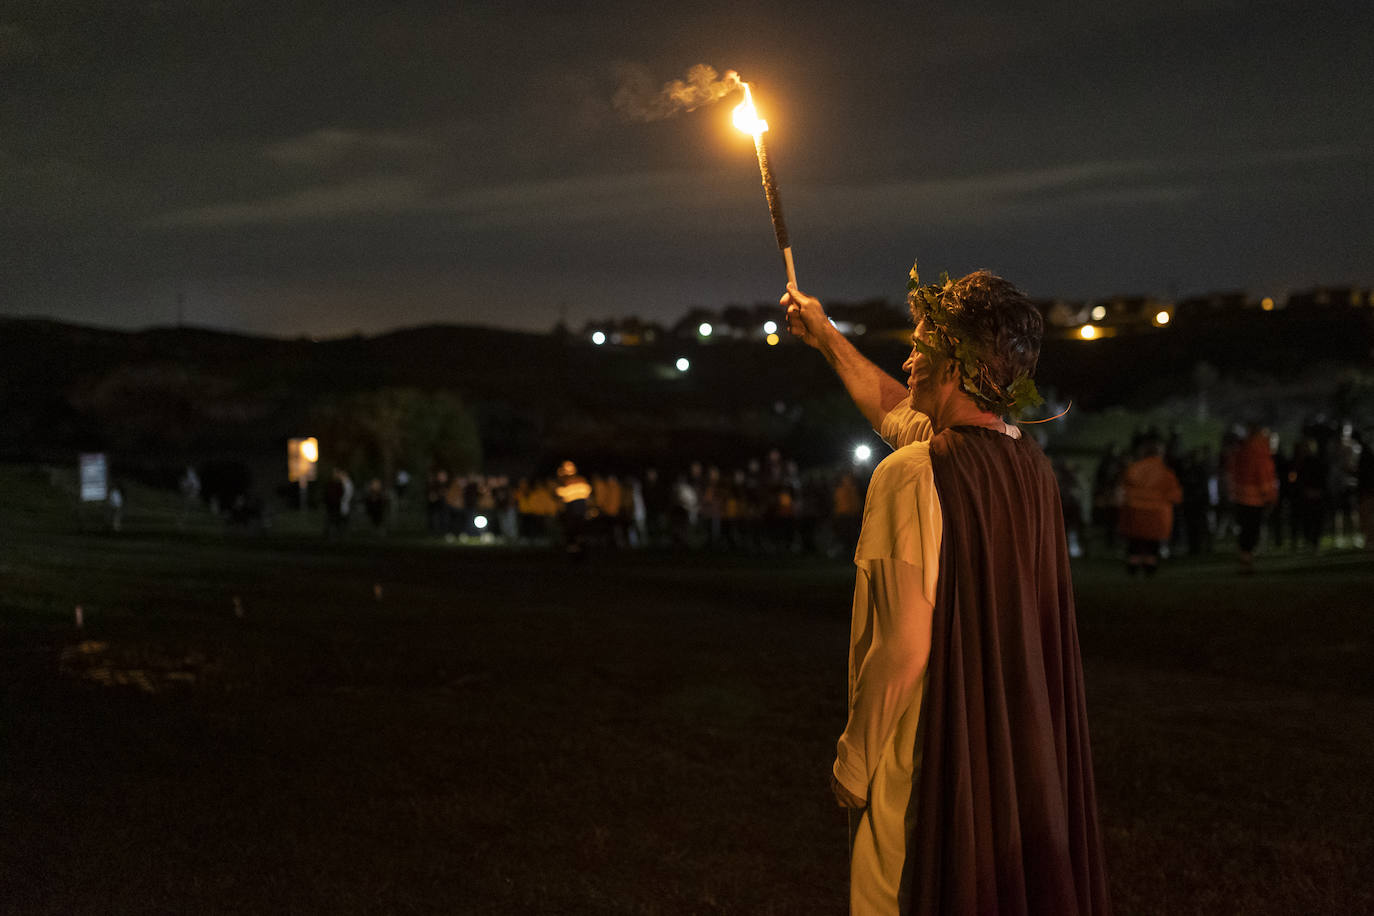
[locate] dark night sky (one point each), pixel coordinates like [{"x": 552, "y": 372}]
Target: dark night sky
[{"x": 320, "y": 167}]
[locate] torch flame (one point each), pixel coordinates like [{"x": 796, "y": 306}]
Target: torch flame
[{"x": 746, "y": 117}]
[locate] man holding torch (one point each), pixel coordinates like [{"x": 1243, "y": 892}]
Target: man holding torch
[{"x": 965, "y": 761}]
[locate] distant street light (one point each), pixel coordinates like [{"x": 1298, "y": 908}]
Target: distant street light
[
  {"x": 598, "y": 337},
  {"x": 862, "y": 453},
  {"x": 480, "y": 522},
  {"x": 704, "y": 329},
  {"x": 773, "y": 340},
  {"x": 770, "y": 327},
  {"x": 683, "y": 364},
  {"x": 1162, "y": 317},
  {"x": 1087, "y": 332},
  {"x": 302, "y": 459},
  {"x": 1099, "y": 312}
]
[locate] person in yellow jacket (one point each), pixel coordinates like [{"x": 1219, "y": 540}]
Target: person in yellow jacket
[
  {"x": 1150, "y": 492},
  {"x": 543, "y": 507},
  {"x": 847, "y": 503}
]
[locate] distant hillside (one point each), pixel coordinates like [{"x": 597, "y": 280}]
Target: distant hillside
[
  {"x": 174, "y": 395},
  {"x": 170, "y": 395}
]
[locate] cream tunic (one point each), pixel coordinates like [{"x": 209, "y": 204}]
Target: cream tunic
[{"x": 897, "y": 564}]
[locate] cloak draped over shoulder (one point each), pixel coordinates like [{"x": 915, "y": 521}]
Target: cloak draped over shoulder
[{"x": 1004, "y": 812}]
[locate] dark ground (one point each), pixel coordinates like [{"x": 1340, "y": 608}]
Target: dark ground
[{"x": 645, "y": 733}]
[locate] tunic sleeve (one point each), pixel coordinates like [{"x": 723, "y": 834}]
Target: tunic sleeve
[
  {"x": 902, "y": 518},
  {"x": 897, "y": 564},
  {"x": 889, "y": 679},
  {"x": 904, "y": 425}
]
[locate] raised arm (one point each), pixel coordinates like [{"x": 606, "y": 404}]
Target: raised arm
[{"x": 874, "y": 391}]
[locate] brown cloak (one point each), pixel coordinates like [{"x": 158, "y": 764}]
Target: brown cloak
[{"x": 1005, "y": 816}]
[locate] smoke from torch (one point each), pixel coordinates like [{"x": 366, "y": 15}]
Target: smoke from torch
[
  {"x": 638, "y": 99},
  {"x": 747, "y": 119}
]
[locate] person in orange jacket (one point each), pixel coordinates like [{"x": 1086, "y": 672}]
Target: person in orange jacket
[
  {"x": 1254, "y": 487},
  {"x": 1151, "y": 491}
]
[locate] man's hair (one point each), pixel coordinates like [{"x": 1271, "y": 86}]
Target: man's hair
[{"x": 994, "y": 320}]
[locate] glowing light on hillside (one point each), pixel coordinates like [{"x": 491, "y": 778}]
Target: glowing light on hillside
[
  {"x": 770, "y": 327},
  {"x": 1162, "y": 317},
  {"x": 683, "y": 364},
  {"x": 773, "y": 340},
  {"x": 1267, "y": 304},
  {"x": 598, "y": 337},
  {"x": 302, "y": 462},
  {"x": 862, "y": 453},
  {"x": 1099, "y": 312},
  {"x": 480, "y": 522},
  {"x": 1087, "y": 332},
  {"x": 705, "y": 329}
]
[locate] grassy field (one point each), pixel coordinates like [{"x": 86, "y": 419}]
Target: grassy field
[{"x": 400, "y": 726}]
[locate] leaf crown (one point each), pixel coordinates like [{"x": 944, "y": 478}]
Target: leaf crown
[{"x": 951, "y": 338}]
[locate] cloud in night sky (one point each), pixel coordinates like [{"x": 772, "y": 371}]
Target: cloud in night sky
[
  {"x": 377, "y": 195},
  {"x": 330, "y": 145},
  {"x": 307, "y": 167}
]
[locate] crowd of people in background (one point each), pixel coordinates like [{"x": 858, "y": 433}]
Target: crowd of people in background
[
  {"x": 1145, "y": 502},
  {"x": 1155, "y": 498},
  {"x": 767, "y": 506}
]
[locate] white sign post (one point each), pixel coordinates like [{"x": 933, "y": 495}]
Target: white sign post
[{"x": 95, "y": 477}]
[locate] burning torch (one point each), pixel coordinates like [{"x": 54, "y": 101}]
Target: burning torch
[{"x": 747, "y": 119}]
